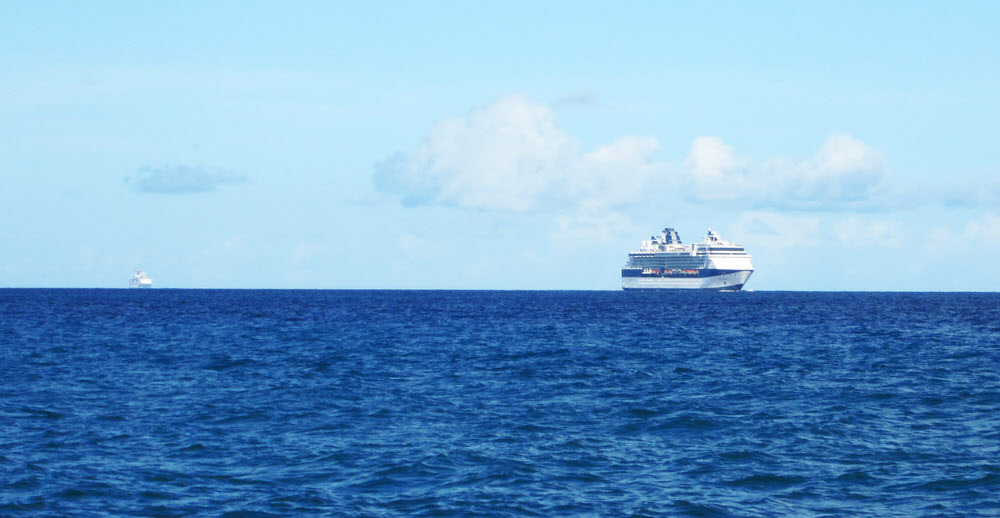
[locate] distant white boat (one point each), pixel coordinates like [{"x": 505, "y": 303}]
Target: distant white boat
[{"x": 140, "y": 280}]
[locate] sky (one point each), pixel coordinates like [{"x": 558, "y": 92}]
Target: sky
[{"x": 508, "y": 145}]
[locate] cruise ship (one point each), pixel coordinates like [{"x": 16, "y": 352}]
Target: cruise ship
[
  {"x": 140, "y": 280},
  {"x": 663, "y": 262}
]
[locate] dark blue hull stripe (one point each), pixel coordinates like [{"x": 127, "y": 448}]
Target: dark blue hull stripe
[{"x": 735, "y": 287}]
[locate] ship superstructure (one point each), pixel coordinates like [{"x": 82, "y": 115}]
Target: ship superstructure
[
  {"x": 663, "y": 262},
  {"x": 140, "y": 280}
]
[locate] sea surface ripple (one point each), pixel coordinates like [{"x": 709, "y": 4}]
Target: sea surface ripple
[{"x": 243, "y": 403}]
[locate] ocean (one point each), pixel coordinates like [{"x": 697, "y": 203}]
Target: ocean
[{"x": 244, "y": 403}]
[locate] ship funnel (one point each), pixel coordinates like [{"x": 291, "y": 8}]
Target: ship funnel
[{"x": 671, "y": 237}]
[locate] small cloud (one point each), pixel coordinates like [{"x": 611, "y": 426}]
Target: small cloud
[
  {"x": 395, "y": 175},
  {"x": 867, "y": 232},
  {"x": 760, "y": 227},
  {"x": 710, "y": 157},
  {"x": 776, "y": 230},
  {"x": 983, "y": 192},
  {"x": 986, "y": 228},
  {"x": 306, "y": 252},
  {"x": 181, "y": 180},
  {"x": 980, "y": 236},
  {"x": 234, "y": 243},
  {"x": 590, "y": 227},
  {"x": 845, "y": 154}
]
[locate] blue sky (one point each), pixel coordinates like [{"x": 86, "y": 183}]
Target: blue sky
[{"x": 848, "y": 146}]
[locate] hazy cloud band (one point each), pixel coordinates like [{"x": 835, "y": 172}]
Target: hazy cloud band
[{"x": 181, "y": 180}]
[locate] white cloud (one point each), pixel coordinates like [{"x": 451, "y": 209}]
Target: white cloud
[
  {"x": 501, "y": 157},
  {"x": 510, "y": 156},
  {"x": 844, "y": 171},
  {"x": 711, "y": 158},
  {"x": 614, "y": 174},
  {"x": 845, "y": 154}
]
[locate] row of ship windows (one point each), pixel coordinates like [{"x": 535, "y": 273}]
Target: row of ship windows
[
  {"x": 701, "y": 253},
  {"x": 668, "y": 265},
  {"x": 685, "y": 259}
]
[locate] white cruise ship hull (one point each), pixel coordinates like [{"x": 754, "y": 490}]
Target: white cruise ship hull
[
  {"x": 664, "y": 263},
  {"x": 719, "y": 280}
]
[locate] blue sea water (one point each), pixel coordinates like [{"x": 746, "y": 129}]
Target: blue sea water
[{"x": 241, "y": 403}]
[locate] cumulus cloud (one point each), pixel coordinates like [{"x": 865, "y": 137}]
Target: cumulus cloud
[
  {"x": 181, "y": 180},
  {"x": 843, "y": 171},
  {"x": 511, "y": 156},
  {"x": 711, "y": 158},
  {"x": 614, "y": 174},
  {"x": 844, "y": 154}
]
